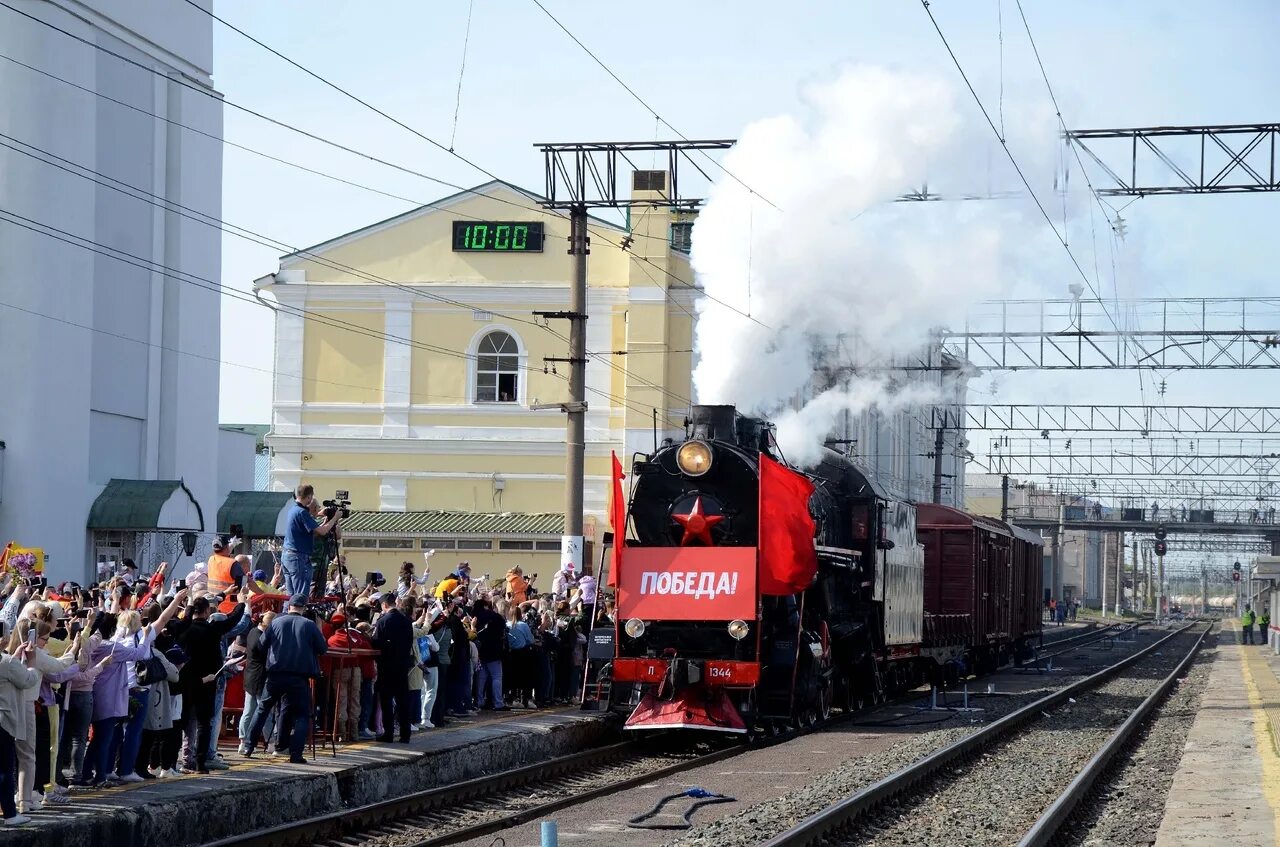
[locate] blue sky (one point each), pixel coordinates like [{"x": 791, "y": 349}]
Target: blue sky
[{"x": 710, "y": 68}]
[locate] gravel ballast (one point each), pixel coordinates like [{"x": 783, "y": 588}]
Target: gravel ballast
[
  {"x": 1126, "y": 809},
  {"x": 915, "y": 737},
  {"x": 995, "y": 798}
]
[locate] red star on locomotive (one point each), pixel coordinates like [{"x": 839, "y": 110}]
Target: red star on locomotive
[{"x": 697, "y": 525}]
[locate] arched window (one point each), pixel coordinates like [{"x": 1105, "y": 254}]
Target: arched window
[{"x": 497, "y": 369}]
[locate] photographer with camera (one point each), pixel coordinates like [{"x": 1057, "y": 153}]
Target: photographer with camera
[{"x": 301, "y": 532}]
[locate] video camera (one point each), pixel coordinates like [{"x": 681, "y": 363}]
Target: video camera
[
  {"x": 340, "y": 504},
  {"x": 376, "y": 579}
]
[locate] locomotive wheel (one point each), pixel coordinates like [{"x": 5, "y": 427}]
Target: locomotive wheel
[{"x": 825, "y": 697}]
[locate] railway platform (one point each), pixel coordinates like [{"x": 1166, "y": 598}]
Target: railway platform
[
  {"x": 1227, "y": 787},
  {"x": 263, "y": 792}
]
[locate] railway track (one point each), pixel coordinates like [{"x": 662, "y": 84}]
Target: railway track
[
  {"x": 1018, "y": 779},
  {"x": 487, "y": 804},
  {"x": 1067, "y": 645}
]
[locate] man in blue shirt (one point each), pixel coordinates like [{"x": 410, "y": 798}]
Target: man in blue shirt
[
  {"x": 294, "y": 645},
  {"x": 301, "y": 530}
]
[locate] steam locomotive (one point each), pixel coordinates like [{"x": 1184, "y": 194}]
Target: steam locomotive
[{"x": 901, "y": 594}]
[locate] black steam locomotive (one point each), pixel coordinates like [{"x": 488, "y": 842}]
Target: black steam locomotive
[{"x": 691, "y": 655}]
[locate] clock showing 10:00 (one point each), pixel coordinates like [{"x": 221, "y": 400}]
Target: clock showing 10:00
[{"x": 497, "y": 236}]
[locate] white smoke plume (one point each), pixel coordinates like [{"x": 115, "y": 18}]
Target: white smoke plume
[
  {"x": 838, "y": 270},
  {"x": 800, "y": 432}
]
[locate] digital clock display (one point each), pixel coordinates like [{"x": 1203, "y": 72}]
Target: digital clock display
[{"x": 497, "y": 236}]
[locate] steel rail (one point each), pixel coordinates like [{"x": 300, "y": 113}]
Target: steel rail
[
  {"x": 1047, "y": 827},
  {"x": 344, "y": 823},
  {"x": 820, "y": 824},
  {"x": 1109, "y": 631}
]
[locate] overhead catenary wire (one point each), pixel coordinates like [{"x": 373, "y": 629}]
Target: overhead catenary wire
[
  {"x": 249, "y": 235},
  {"x": 642, "y": 101},
  {"x": 1016, "y": 166},
  {"x": 462, "y": 70},
  {"x": 321, "y": 139},
  {"x": 208, "y": 93},
  {"x": 151, "y": 266},
  {"x": 332, "y": 264}
]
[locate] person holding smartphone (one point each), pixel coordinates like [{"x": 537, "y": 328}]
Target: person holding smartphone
[{"x": 17, "y": 679}]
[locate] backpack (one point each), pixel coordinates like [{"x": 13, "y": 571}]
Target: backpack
[{"x": 150, "y": 671}]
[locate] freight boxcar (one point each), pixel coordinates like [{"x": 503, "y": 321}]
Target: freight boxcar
[
  {"x": 968, "y": 585},
  {"x": 1028, "y": 585}
]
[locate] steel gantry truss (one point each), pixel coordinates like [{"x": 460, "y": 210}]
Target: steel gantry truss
[
  {"x": 1159, "y": 333},
  {"x": 1143, "y": 420},
  {"x": 1095, "y": 457},
  {"x": 586, "y": 174},
  {"x": 1182, "y": 498},
  {"x": 1222, "y": 159}
]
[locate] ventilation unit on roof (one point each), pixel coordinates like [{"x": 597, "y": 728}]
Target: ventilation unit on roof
[{"x": 649, "y": 181}]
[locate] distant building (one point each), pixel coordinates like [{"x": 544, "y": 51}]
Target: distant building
[
  {"x": 110, "y": 366},
  {"x": 415, "y": 396},
  {"x": 898, "y": 448},
  {"x": 1081, "y": 550}
]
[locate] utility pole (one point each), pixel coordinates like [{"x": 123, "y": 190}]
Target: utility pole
[
  {"x": 1204, "y": 591},
  {"x": 1106, "y": 536},
  {"x": 937, "y": 465},
  {"x": 582, "y": 176},
  {"x": 1160, "y": 594},
  {"x": 1119, "y": 574},
  {"x": 1057, "y": 554},
  {"x": 1135, "y": 572},
  {"x": 1004, "y": 498},
  {"x": 576, "y": 425}
]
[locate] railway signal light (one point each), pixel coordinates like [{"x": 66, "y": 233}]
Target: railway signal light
[
  {"x": 1161, "y": 548},
  {"x": 1236, "y": 567},
  {"x": 1235, "y": 576},
  {"x": 1161, "y": 532}
]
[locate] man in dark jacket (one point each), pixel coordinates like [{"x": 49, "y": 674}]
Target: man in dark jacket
[
  {"x": 393, "y": 635},
  {"x": 491, "y": 642},
  {"x": 294, "y": 645},
  {"x": 201, "y": 638}
]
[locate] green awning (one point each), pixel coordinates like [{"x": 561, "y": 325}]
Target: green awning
[
  {"x": 146, "y": 505},
  {"x": 259, "y": 512},
  {"x": 453, "y": 523}
]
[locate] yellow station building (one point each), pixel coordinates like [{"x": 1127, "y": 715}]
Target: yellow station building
[{"x": 408, "y": 355}]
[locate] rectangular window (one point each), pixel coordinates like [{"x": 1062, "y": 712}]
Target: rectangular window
[
  {"x": 439, "y": 544},
  {"x": 682, "y": 236},
  {"x": 395, "y": 543},
  {"x": 547, "y": 546},
  {"x": 475, "y": 544},
  {"x": 487, "y": 388},
  {"x": 515, "y": 545},
  {"x": 362, "y": 543}
]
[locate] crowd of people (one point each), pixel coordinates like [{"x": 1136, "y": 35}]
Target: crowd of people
[{"x": 125, "y": 680}]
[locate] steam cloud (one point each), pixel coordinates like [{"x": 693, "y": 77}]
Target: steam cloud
[{"x": 839, "y": 273}]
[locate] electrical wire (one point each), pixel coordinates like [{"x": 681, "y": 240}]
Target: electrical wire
[
  {"x": 642, "y": 102},
  {"x": 462, "y": 70},
  {"x": 1014, "y": 161},
  {"x": 263, "y": 240},
  {"x": 125, "y": 257},
  {"x": 257, "y": 238},
  {"x": 281, "y": 124},
  {"x": 215, "y": 359}
]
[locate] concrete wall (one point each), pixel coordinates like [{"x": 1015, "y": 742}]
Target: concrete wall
[
  {"x": 237, "y": 454},
  {"x": 95, "y": 385}
]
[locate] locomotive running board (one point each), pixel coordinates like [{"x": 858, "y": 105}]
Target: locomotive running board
[{"x": 692, "y": 708}]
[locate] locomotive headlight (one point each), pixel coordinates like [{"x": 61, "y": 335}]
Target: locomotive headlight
[
  {"x": 738, "y": 630},
  {"x": 634, "y": 628},
  {"x": 694, "y": 458}
]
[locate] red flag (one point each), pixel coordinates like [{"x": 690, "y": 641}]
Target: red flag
[
  {"x": 788, "y": 559},
  {"x": 617, "y": 521}
]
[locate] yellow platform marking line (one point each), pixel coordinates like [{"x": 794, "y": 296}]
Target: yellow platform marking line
[{"x": 1264, "y": 696}]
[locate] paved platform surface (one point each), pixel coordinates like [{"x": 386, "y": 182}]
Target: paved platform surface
[
  {"x": 1227, "y": 788},
  {"x": 264, "y": 791}
]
